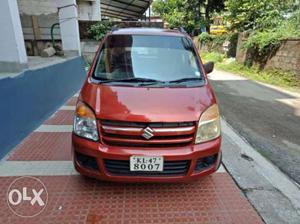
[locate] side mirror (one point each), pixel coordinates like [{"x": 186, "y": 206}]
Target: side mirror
[{"x": 209, "y": 67}]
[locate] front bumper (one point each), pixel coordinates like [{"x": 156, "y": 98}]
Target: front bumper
[{"x": 101, "y": 152}]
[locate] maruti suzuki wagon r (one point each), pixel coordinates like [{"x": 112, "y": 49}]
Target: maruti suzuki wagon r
[{"x": 146, "y": 112}]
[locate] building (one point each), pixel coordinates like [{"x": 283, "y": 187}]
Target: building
[
  {"x": 26, "y": 25},
  {"x": 33, "y": 87}
]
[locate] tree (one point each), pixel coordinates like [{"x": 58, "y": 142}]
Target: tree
[
  {"x": 268, "y": 22},
  {"x": 210, "y": 7},
  {"x": 189, "y": 14},
  {"x": 257, "y": 15}
]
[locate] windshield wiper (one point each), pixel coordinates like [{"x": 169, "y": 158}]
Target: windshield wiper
[
  {"x": 186, "y": 80},
  {"x": 137, "y": 79}
]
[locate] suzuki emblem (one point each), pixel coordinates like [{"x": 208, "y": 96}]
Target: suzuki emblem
[{"x": 147, "y": 133}]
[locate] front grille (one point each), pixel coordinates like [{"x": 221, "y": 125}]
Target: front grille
[
  {"x": 145, "y": 124},
  {"x": 120, "y": 133},
  {"x": 122, "y": 168}
]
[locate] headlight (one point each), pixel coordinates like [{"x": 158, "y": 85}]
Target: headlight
[
  {"x": 85, "y": 124},
  {"x": 209, "y": 125}
]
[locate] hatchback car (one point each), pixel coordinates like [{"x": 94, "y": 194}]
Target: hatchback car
[{"x": 146, "y": 112}]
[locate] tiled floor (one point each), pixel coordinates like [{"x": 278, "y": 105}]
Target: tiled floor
[
  {"x": 76, "y": 199},
  {"x": 61, "y": 117},
  {"x": 44, "y": 146},
  {"x": 72, "y": 102}
]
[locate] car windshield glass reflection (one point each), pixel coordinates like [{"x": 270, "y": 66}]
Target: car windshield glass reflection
[{"x": 142, "y": 57}]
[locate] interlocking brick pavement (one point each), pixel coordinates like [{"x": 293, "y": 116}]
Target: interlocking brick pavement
[
  {"x": 76, "y": 199},
  {"x": 61, "y": 117},
  {"x": 72, "y": 101},
  {"x": 43, "y": 146}
]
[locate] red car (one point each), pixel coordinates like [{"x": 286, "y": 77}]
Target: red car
[{"x": 146, "y": 112}]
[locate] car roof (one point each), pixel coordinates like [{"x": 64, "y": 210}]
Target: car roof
[{"x": 147, "y": 31}]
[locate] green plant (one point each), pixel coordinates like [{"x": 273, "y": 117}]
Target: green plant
[
  {"x": 219, "y": 40},
  {"x": 232, "y": 37},
  {"x": 275, "y": 77},
  {"x": 212, "y": 56},
  {"x": 215, "y": 43},
  {"x": 204, "y": 38},
  {"x": 258, "y": 15},
  {"x": 99, "y": 29},
  {"x": 187, "y": 13},
  {"x": 262, "y": 44}
]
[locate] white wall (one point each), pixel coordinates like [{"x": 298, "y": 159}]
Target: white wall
[
  {"x": 87, "y": 10},
  {"x": 12, "y": 47},
  {"x": 37, "y": 7},
  {"x": 67, "y": 16}
]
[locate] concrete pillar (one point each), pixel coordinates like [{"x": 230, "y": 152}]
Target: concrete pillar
[
  {"x": 13, "y": 56},
  {"x": 89, "y": 10},
  {"x": 69, "y": 30}
]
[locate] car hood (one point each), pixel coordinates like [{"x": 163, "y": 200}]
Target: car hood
[{"x": 144, "y": 104}]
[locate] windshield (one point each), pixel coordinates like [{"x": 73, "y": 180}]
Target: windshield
[{"x": 161, "y": 58}]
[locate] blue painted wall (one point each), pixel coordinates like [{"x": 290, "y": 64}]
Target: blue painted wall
[{"x": 28, "y": 99}]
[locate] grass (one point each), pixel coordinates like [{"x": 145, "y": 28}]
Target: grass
[
  {"x": 212, "y": 56},
  {"x": 274, "y": 77}
]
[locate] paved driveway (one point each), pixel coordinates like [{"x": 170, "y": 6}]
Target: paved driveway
[
  {"x": 46, "y": 154},
  {"x": 268, "y": 118}
]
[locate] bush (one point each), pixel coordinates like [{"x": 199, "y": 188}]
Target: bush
[
  {"x": 219, "y": 40},
  {"x": 265, "y": 43},
  {"x": 274, "y": 77},
  {"x": 204, "y": 38},
  {"x": 212, "y": 56},
  {"x": 99, "y": 29},
  {"x": 215, "y": 42},
  {"x": 232, "y": 37}
]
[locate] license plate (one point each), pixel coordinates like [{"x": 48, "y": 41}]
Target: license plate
[{"x": 146, "y": 163}]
